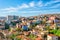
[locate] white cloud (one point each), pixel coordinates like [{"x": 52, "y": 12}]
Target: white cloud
[
  {"x": 56, "y": 6},
  {"x": 57, "y": 0},
  {"x": 8, "y": 10},
  {"x": 23, "y": 6},
  {"x": 32, "y": 4},
  {"x": 51, "y": 2},
  {"x": 40, "y": 3},
  {"x": 38, "y": 11},
  {"x": 14, "y": 9}
]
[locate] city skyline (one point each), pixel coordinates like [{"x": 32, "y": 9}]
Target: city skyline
[{"x": 28, "y": 7}]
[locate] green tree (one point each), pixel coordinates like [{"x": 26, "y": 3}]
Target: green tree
[
  {"x": 58, "y": 32},
  {"x": 18, "y": 39},
  {"x": 53, "y": 31},
  {"x": 32, "y": 36},
  {"x": 13, "y": 36},
  {"x": 13, "y": 23},
  {"x": 6, "y": 26}
]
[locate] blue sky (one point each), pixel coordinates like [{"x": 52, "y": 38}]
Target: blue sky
[{"x": 29, "y": 7}]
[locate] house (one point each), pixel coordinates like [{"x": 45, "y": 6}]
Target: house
[
  {"x": 28, "y": 24},
  {"x": 52, "y": 37},
  {"x": 39, "y": 37},
  {"x": 12, "y": 18},
  {"x": 40, "y": 27},
  {"x": 58, "y": 38},
  {"x": 52, "y": 18},
  {"x": 2, "y": 24}
]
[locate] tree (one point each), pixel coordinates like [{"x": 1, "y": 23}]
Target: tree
[
  {"x": 58, "y": 32},
  {"x": 53, "y": 31},
  {"x": 6, "y": 26},
  {"x": 18, "y": 38},
  {"x": 13, "y": 36},
  {"x": 32, "y": 36},
  {"x": 13, "y": 23}
]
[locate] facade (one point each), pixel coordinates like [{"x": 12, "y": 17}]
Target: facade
[
  {"x": 2, "y": 22},
  {"x": 2, "y": 27},
  {"x": 12, "y": 18},
  {"x": 52, "y": 37}
]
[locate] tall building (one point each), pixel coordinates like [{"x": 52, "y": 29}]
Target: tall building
[
  {"x": 12, "y": 18},
  {"x": 2, "y": 22},
  {"x": 52, "y": 37}
]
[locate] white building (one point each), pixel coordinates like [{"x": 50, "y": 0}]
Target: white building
[
  {"x": 2, "y": 23},
  {"x": 52, "y": 37},
  {"x": 28, "y": 24},
  {"x": 12, "y": 18}
]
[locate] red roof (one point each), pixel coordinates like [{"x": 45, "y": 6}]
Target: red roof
[{"x": 51, "y": 35}]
